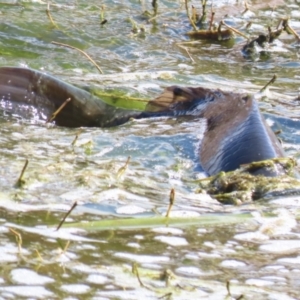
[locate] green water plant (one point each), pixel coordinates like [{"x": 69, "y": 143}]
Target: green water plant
[{"x": 158, "y": 221}]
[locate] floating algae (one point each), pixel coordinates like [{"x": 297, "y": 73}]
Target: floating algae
[{"x": 241, "y": 186}]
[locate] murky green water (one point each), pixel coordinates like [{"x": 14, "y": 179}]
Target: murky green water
[{"x": 259, "y": 255}]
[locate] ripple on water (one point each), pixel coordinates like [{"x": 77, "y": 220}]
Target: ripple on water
[
  {"x": 232, "y": 263},
  {"x": 259, "y": 282},
  {"x": 172, "y": 240},
  {"x": 9, "y": 253},
  {"x": 142, "y": 258},
  {"x": 290, "y": 260},
  {"x": 281, "y": 246},
  {"x": 192, "y": 271},
  {"x": 168, "y": 230},
  {"x": 128, "y": 294},
  {"x": 33, "y": 291},
  {"x": 75, "y": 288},
  {"x": 130, "y": 209},
  {"x": 25, "y": 276},
  {"x": 97, "y": 279}
]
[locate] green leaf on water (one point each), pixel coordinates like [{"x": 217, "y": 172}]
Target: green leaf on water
[{"x": 150, "y": 222}]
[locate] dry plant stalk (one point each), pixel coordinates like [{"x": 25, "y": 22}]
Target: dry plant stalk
[
  {"x": 234, "y": 30},
  {"x": 186, "y": 50},
  {"x": 171, "y": 202},
  {"x": 39, "y": 255},
  {"x": 18, "y": 239},
  {"x": 76, "y": 137},
  {"x": 63, "y": 251},
  {"x": 136, "y": 272},
  {"x": 122, "y": 170},
  {"x": 54, "y": 115},
  {"x": 20, "y": 182},
  {"x": 289, "y": 29},
  {"x": 50, "y": 17},
  {"x": 84, "y": 53},
  {"x": 167, "y": 296},
  {"x": 188, "y": 14},
  {"x": 246, "y": 8},
  {"x": 66, "y": 215},
  {"x": 269, "y": 83}
]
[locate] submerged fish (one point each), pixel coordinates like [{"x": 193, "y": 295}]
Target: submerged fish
[{"x": 236, "y": 132}]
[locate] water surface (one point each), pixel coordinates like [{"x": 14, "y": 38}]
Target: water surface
[{"x": 258, "y": 256}]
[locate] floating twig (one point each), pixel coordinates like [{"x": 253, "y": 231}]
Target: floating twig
[
  {"x": 228, "y": 288},
  {"x": 122, "y": 170},
  {"x": 18, "y": 238},
  {"x": 50, "y": 17},
  {"x": 63, "y": 249},
  {"x": 81, "y": 51},
  {"x": 171, "y": 202},
  {"x": 66, "y": 246},
  {"x": 246, "y": 8},
  {"x": 289, "y": 29},
  {"x": 269, "y": 83},
  {"x": 76, "y": 137},
  {"x": 20, "y": 182},
  {"x": 54, "y": 115},
  {"x": 39, "y": 255},
  {"x": 168, "y": 296},
  {"x": 66, "y": 215},
  {"x": 229, "y": 293},
  {"x": 249, "y": 24},
  {"x": 135, "y": 271},
  {"x": 234, "y": 30},
  {"x": 187, "y": 51}
]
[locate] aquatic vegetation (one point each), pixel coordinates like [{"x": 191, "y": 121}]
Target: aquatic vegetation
[
  {"x": 241, "y": 186},
  {"x": 207, "y": 254}
]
